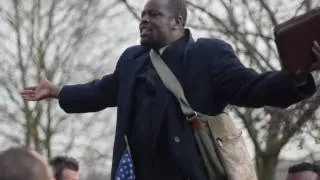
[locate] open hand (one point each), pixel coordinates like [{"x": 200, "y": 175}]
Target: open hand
[{"x": 45, "y": 89}]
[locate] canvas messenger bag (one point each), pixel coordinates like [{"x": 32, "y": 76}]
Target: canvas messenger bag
[{"x": 220, "y": 143}]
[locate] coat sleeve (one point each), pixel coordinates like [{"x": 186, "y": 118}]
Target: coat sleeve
[
  {"x": 243, "y": 86},
  {"x": 92, "y": 96}
]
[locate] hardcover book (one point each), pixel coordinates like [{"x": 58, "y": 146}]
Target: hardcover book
[{"x": 294, "y": 40}]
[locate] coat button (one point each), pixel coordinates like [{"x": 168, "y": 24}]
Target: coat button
[{"x": 177, "y": 139}]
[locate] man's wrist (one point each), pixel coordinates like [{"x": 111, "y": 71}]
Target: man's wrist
[{"x": 55, "y": 92}]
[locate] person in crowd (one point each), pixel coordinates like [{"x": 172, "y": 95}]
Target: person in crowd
[
  {"x": 303, "y": 171},
  {"x": 19, "y": 163},
  {"x": 65, "y": 168}
]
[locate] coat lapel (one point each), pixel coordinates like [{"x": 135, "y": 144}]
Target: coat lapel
[
  {"x": 176, "y": 64},
  {"x": 129, "y": 70},
  {"x": 132, "y": 69},
  {"x": 162, "y": 98},
  {"x": 158, "y": 111}
]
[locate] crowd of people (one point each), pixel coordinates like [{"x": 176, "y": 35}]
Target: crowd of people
[{"x": 20, "y": 163}]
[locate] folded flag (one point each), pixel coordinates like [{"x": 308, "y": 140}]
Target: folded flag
[{"x": 125, "y": 170}]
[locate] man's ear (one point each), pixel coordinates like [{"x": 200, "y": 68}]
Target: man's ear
[{"x": 178, "y": 23}]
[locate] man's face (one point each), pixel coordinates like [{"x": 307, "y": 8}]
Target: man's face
[
  {"x": 69, "y": 174},
  {"x": 156, "y": 25}
]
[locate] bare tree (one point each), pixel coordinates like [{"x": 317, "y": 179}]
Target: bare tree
[
  {"x": 248, "y": 26},
  {"x": 68, "y": 42}
]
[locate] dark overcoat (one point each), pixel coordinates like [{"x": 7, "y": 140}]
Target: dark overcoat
[{"x": 211, "y": 76}]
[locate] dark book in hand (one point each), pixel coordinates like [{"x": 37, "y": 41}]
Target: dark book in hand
[{"x": 294, "y": 40}]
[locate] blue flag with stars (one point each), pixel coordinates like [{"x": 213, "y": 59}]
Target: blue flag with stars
[{"x": 125, "y": 170}]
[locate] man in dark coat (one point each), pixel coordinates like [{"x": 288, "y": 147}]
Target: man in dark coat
[{"x": 160, "y": 139}]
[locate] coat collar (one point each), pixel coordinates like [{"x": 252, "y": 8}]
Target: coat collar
[{"x": 181, "y": 44}]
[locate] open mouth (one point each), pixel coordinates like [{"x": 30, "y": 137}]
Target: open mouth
[{"x": 145, "y": 32}]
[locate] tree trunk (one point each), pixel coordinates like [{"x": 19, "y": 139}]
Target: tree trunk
[{"x": 266, "y": 167}]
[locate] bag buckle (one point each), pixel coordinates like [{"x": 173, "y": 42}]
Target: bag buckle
[
  {"x": 195, "y": 121},
  {"x": 192, "y": 116}
]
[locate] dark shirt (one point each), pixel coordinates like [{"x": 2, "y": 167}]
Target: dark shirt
[{"x": 150, "y": 162}]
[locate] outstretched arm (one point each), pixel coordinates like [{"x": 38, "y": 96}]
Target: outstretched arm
[
  {"x": 245, "y": 87},
  {"x": 90, "y": 97},
  {"x": 80, "y": 98}
]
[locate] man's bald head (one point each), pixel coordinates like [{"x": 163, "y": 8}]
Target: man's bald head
[
  {"x": 23, "y": 164},
  {"x": 178, "y": 8}
]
